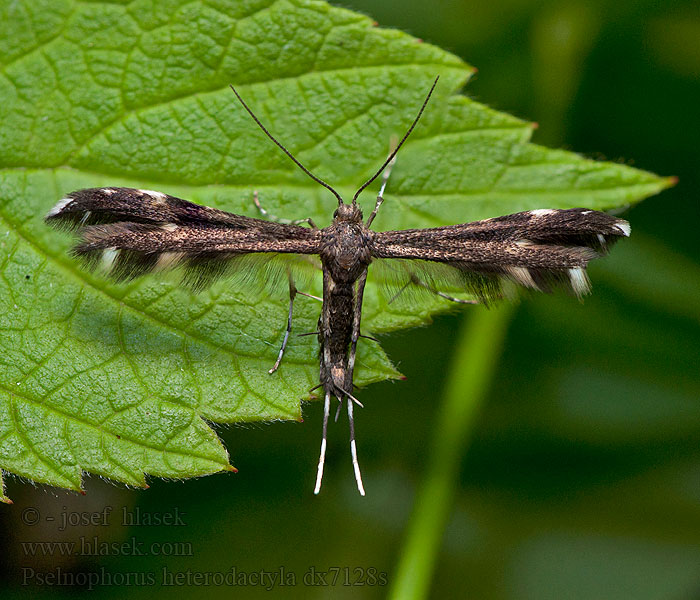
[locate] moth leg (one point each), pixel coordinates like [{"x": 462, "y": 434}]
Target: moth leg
[
  {"x": 357, "y": 317},
  {"x": 275, "y": 219},
  {"x": 385, "y": 178},
  {"x": 349, "y": 397},
  {"x": 401, "y": 291},
  {"x": 424, "y": 285},
  {"x": 310, "y": 296},
  {"x": 322, "y": 457},
  {"x": 337, "y": 412},
  {"x": 292, "y": 294},
  {"x": 309, "y": 332},
  {"x": 420, "y": 283},
  {"x": 353, "y": 449}
]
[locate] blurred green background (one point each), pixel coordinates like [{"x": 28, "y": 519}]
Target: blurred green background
[{"x": 582, "y": 475}]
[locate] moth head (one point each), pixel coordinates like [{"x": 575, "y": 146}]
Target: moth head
[{"x": 348, "y": 212}]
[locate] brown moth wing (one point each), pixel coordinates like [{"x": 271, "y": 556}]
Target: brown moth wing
[
  {"x": 129, "y": 233},
  {"x": 537, "y": 249},
  {"x": 94, "y": 206}
]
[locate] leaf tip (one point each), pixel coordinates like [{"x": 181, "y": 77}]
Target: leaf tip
[
  {"x": 5, "y": 500},
  {"x": 671, "y": 181},
  {"x": 231, "y": 468}
]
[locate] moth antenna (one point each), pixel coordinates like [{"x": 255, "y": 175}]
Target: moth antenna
[
  {"x": 403, "y": 139},
  {"x": 287, "y": 152},
  {"x": 322, "y": 457},
  {"x": 353, "y": 450}
]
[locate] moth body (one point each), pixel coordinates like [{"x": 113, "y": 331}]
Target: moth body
[
  {"x": 345, "y": 252},
  {"x": 131, "y": 232}
]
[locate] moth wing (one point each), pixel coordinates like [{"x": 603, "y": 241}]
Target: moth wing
[
  {"x": 266, "y": 271},
  {"x": 538, "y": 249},
  {"x": 128, "y": 233},
  {"x": 406, "y": 281},
  {"x": 101, "y": 206}
]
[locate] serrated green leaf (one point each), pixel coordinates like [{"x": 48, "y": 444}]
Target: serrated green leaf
[{"x": 118, "y": 379}]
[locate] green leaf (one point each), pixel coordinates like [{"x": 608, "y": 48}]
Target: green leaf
[
  {"x": 3, "y": 498},
  {"x": 120, "y": 380}
]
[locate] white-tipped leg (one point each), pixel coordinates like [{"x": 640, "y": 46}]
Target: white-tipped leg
[
  {"x": 322, "y": 457},
  {"x": 353, "y": 450}
]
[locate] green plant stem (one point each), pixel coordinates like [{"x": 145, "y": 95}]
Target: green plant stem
[{"x": 472, "y": 370}]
